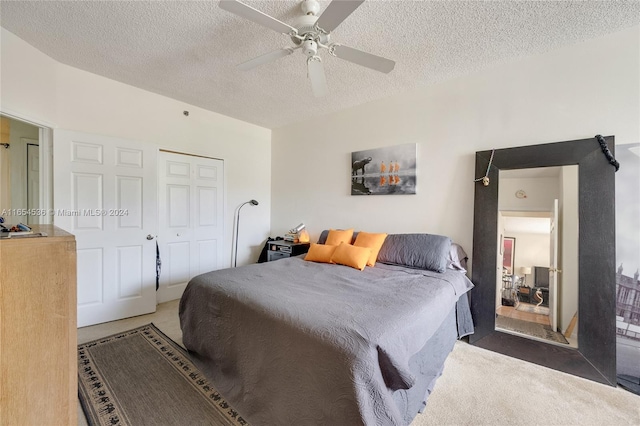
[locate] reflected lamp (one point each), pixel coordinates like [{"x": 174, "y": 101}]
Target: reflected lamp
[{"x": 524, "y": 271}]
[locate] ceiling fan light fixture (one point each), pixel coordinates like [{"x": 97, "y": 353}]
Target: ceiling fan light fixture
[{"x": 310, "y": 47}]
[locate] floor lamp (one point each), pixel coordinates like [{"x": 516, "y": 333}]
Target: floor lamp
[{"x": 253, "y": 203}]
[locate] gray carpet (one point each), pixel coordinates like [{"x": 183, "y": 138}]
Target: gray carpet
[
  {"x": 530, "y": 328},
  {"x": 141, "y": 377}
]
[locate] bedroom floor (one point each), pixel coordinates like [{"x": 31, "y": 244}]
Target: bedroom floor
[
  {"x": 165, "y": 317},
  {"x": 485, "y": 383},
  {"x": 511, "y": 312}
]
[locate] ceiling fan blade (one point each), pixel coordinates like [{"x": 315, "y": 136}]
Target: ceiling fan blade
[
  {"x": 365, "y": 59},
  {"x": 266, "y": 58},
  {"x": 335, "y": 13},
  {"x": 315, "y": 71},
  {"x": 256, "y": 16}
]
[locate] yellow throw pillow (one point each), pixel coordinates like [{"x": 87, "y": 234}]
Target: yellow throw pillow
[
  {"x": 336, "y": 236},
  {"x": 320, "y": 253},
  {"x": 348, "y": 255},
  {"x": 372, "y": 241}
]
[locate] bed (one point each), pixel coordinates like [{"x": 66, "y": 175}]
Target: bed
[{"x": 299, "y": 342}]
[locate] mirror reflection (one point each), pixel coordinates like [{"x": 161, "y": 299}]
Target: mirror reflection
[
  {"x": 537, "y": 252},
  {"x": 19, "y": 170}
]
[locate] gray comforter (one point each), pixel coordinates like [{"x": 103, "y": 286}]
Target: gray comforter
[{"x": 296, "y": 342}]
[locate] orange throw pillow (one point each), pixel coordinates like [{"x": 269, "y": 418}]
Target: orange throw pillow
[
  {"x": 337, "y": 236},
  {"x": 372, "y": 241},
  {"x": 320, "y": 253},
  {"x": 348, "y": 255}
]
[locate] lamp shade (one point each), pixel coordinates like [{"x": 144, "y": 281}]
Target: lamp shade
[
  {"x": 525, "y": 270},
  {"x": 303, "y": 236}
]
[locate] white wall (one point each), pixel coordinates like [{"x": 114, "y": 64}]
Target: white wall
[
  {"x": 531, "y": 250},
  {"x": 572, "y": 93},
  {"x": 36, "y": 87}
]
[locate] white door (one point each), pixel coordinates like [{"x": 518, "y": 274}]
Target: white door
[
  {"x": 191, "y": 206},
  {"x": 5, "y": 179},
  {"x": 499, "y": 260},
  {"x": 105, "y": 193},
  {"x": 33, "y": 179},
  {"x": 553, "y": 271}
]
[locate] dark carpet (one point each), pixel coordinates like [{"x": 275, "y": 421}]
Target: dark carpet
[{"x": 142, "y": 377}]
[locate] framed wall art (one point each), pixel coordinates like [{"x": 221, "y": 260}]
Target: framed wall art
[
  {"x": 508, "y": 253},
  {"x": 384, "y": 171}
]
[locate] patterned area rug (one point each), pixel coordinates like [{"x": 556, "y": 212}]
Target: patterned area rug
[
  {"x": 142, "y": 377},
  {"x": 525, "y": 307},
  {"x": 530, "y": 328}
]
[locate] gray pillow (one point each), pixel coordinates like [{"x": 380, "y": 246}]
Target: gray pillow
[
  {"x": 421, "y": 251},
  {"x": 457, "y": 258}
]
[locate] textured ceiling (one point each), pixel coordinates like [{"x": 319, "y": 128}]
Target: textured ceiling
[{"x": 188, "y": 50}]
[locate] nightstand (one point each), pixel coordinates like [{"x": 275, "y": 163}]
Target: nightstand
[{"x": 280, "y": 249}]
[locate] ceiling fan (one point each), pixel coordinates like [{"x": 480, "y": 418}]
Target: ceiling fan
[{"x": 310, "y": 33}]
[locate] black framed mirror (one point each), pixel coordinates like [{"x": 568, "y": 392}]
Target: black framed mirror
[{"x": 595, "y": 356}]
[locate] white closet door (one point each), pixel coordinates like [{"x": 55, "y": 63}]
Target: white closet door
[
  {"x": 191, "y": 221},
  {"x": 105, "y": 193}
]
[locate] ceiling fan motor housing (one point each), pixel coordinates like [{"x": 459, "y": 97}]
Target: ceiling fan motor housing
[
  {"x": 306, "y": 28},
  {"x": 310, "y": 7}
]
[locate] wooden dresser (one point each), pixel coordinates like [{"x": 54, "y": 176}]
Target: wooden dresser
[{"x": 38, "y": 334}]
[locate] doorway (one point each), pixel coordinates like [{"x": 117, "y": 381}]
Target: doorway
[
  {"x": 528, "y": 302},
  {"x": 25, "y": 172}
]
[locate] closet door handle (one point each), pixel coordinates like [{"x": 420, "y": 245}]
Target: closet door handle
[{"x": 150, "y": 237}]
